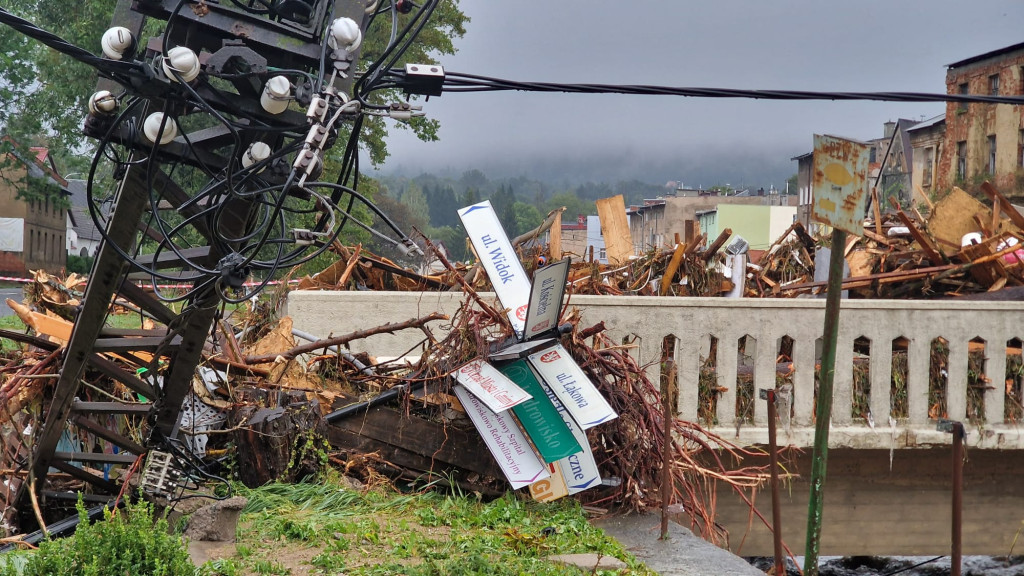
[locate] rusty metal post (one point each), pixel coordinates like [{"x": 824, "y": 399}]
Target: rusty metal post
[
  {"x": 666, "y": 462},
  {"x": 823, "y": 414},
  {"x": 773, "y": 459}
]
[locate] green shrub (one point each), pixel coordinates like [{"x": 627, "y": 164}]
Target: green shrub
[
  {"x": 79, "y": 264},
  {"x": 127, "y": 543}
]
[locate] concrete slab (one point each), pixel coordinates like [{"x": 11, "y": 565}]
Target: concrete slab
[{"x": 683, "y": 554}]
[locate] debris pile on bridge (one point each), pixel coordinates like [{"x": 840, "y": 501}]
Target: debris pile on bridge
[
  {"x": 260, "y": 400},
  {"x": 962, "y": 247}
]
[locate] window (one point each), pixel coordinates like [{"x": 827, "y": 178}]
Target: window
[
  {"x": 929, "y": 160},
  {"x": 992, "y": 154},
  {"x": 993, "y": 85},
  {"x": 602, "y": 254},
  {"x": 962, "y": 89},
  {"x": 1021, "y": 76},
  {"x": 961, "y": 160},
  {"x": 873, "y": 155}
]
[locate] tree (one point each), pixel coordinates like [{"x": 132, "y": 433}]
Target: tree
[
  {"x": 443, "y": 206},
  {"x": 574, "y": 206},
  {"x": 527, "y": 217},
  {"x": 43, "y": 93},
  {"x": 416, "y": 202}
]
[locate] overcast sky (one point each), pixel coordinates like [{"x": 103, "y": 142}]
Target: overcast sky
[{"x": 867, "y": 45}]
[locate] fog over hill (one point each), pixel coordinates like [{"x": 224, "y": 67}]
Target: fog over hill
[{"x": 739, "y": 168}]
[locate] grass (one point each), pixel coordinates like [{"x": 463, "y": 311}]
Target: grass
[{"x": 326, "y": 529}]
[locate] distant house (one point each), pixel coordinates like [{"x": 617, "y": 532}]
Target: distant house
[
  {"x": 33, "y": 232},
  {"x": 927, "y": 141},
  {"x": 985, "y": 140},
  {"x": 584, "y": 235},
  {"x": 87, "y": 237},
  {"x": 760, "y": 226}
]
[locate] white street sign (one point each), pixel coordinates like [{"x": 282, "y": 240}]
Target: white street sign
[
  {"x": 546, "y": 298},
  {"x": 499, "y": 260},
  {"x": 567, "y": 380},
  {"x": 490, "y": 386},
  {"x": 579, "y": 471},
  {"x": 507, "y": 443}
]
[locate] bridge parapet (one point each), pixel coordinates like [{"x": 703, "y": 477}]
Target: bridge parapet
[{"x": 900, "y": 363}]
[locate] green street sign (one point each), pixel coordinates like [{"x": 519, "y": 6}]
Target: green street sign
[{"x": 538, "y": 416}]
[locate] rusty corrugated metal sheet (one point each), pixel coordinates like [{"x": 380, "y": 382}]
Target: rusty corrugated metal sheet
[{"x": 839, "y": 182}]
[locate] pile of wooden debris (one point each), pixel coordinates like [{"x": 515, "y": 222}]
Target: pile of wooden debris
[
  {"x": 261, "y": 399},
  {"x": 962, "y": 247}
]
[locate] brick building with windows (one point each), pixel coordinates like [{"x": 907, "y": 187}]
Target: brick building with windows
[
  {"x": 33, "y": 233},
  {"x": 985, "y": 141}
]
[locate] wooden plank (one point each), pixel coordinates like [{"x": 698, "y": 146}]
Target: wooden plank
[
  {"x": 920, "y": 238},
  {"x": 953, "y": 216},
  {"x": 460, "y": 448},
  {"x": 673, "y": 267},
  {"x": 1016, "y": 217},
  {"x": 555, "y": 240},
  {"x": 618, "y": 243}
]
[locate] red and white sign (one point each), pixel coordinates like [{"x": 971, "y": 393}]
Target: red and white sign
[{"x": 492, "y": 387}]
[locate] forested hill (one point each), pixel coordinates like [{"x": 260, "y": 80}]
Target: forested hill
[{"x": 429, "y": 202}]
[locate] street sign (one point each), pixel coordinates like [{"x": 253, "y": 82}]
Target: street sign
[
  {"x": 505, "y": 441},
  {"x": 490, "y": 386},
  {"x": 499, "y": 260},
  {"x": 839, "y": 183},
  {"x": 579, "y": 470},
  {"x": 546, "y": 298},
  {"x": 539, "y": 418},
  {"x": 579, "y": 395}
]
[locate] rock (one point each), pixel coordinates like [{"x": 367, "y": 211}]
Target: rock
[
  {"x": 589, "y": 562},
  {"x": 216, "y": 522}
]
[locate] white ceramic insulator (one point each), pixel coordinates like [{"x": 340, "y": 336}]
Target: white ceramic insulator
[
  {"x": 257, "y": 152},
  {"x": 102, "y": 103},
  {"x": 116, "y": 41},
  {"x": 345, "y": 33},
  {"x": 276, "y": 95},
  {"x": 151, "y": 128},
  {"x": 183, "y": 61}
]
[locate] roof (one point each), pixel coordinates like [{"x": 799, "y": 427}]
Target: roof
[
  {"x": 986, "y": 55},
  {"x": 803, "y": 156},
  {"x": 928, "y": 123},
  {"x": 84, "y": 225}
]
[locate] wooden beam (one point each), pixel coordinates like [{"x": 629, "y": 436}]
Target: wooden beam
[
  {"x": 673, "y": 267},
  {"x": 920, "y": 238},
  {"x": 1016, "y": 217}
]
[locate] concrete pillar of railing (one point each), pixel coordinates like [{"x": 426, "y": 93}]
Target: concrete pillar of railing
[
  {"x": 726, "y": 376},
  {"x": 804, "y": 358},
  {"x": 995, "y": 370},
  {"x": 881, "y": 378}
]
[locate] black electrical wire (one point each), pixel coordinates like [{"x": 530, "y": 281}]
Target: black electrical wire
[{"x": 460, "y": 82}]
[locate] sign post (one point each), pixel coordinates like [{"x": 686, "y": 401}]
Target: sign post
[{"x": 840, "y": 191}]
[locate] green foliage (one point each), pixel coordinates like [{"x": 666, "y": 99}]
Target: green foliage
[
  {"x": 79, "y": 264},
  {"x": 129, "y": 542}
]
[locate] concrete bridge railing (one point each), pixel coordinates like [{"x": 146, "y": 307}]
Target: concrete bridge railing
[{"x": 949, "y": 357}]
